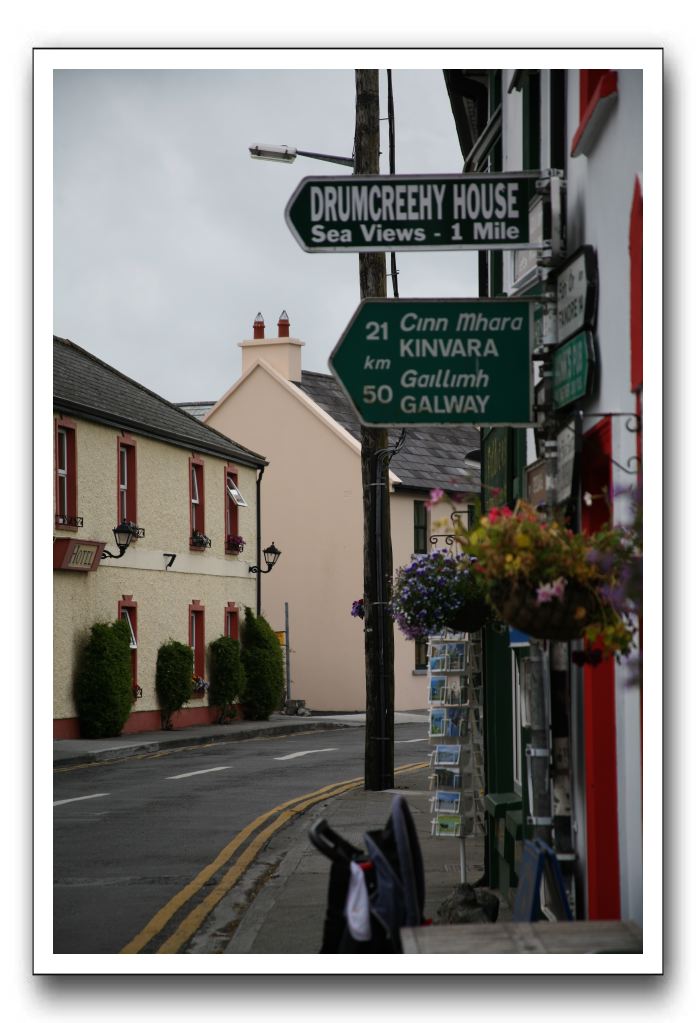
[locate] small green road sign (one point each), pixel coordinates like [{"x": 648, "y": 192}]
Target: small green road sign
[
  {"x": 438, "y": 361},
  {"x": 571, "y": 369},
  {"x": 384, "y": 213}
]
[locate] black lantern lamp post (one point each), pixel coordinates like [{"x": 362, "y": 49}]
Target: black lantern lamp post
[
  {"x": 123, "y": 535},
  {"x": 270, "y": 556}
]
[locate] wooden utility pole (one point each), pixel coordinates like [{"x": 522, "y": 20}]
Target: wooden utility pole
[{"x": 377, "y": 553}]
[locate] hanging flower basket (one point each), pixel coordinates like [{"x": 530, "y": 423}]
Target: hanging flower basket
[
  {"x": 560, "y": 619},
  {"x": 437, "y": 591},
  {"x": 470, "y": 617},
  {"x": 552, "y": 583}
]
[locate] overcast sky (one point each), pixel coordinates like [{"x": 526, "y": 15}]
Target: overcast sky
[{"x": 169, "y": 238}]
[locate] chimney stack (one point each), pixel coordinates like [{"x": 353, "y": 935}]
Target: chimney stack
[{"x": 282, "y": 353}]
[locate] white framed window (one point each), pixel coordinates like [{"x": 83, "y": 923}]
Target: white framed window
[
  {"x": 234, "y": 493},
  {"x": 126, "y": 616},
  {"x": 197, "y": 507},
  {"x": 123, "y": 484},
  {"x": 62, "y": 472}
]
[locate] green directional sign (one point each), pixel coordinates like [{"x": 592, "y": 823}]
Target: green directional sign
[
  {"x": 571, "y": 369},
  {"x": 383, "y": 213},
  {"x": 438, "y": 361}
]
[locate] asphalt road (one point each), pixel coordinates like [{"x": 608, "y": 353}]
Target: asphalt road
[{"x": 142, "y": 846}]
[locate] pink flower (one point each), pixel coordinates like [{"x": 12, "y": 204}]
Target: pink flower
[
  {"x": 435, "y": 495},
  {"x": 550, "y": 591}
]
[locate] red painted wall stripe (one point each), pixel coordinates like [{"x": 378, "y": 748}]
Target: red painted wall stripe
[{"x": 602, "y": 833}]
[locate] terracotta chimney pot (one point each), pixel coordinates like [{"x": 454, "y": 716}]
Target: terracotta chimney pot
[
  {"x": 259, "y": 327},
  {"x": 283, "y": 325}
]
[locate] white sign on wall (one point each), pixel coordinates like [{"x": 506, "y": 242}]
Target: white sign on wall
[{"x": 576, "y": 293}]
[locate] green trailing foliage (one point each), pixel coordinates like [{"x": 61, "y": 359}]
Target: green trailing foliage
[
  {"x": 103, "y": 682},
  {"x": 262, "y": 658},
  {"x": 173, "y": 678},
  {"x": 227, "y": 677}
]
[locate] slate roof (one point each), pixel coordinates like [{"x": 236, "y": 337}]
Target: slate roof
[
  {"x": 87, "y": 387},
  {"x": 430, "y": 456}
]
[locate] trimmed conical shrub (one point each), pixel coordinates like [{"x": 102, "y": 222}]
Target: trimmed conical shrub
[
  {"x": 262, "y": 658},
  {"x": 173, "y": 678},
  {"x": 103, "y": 682},
  {"x": 227, "y": 676}
]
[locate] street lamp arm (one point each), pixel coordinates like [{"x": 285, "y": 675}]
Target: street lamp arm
[
  {"x": 345, "y": 161},
  {"x": 287, "y": 154}
]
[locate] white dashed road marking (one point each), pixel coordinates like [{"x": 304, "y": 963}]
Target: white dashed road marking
[
  {"x": 76, "y": 799},
  {"x": 190, "y": 774},
  {"x": 304, "y": 753}
]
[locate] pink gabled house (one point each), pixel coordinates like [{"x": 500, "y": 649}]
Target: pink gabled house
[{"x": 312, "y": 510}]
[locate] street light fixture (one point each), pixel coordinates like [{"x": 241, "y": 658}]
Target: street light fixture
[
  {"x": 287, "y": 154},
  {"x": 270, "y": 556},
  {"x": 123, "y": 535}
]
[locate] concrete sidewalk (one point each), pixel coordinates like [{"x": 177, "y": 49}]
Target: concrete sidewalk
[
  {"x": 85, "y": 751},
  {"x": 279, "y": 904},
  {"x": 75, "y": 751},
  {"x": 285, "y": 901}
]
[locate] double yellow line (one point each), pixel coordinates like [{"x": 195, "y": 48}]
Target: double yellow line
[{"x": 195, "y": 917}]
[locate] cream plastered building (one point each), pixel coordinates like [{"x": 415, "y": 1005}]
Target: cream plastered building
[
  {"x": 312, "y": 509},
  {"x": 122, "y": 452}
]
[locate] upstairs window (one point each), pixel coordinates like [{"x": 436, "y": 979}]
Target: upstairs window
[
  {"x": 234, "y": 542},
  {"x": 420, "y": 528},
  {"x": 66, "y": 475},
  {"x": 127, "y": 489},
  {"x": 198, "y": 538}
]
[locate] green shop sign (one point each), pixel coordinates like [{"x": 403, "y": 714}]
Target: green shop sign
[
  {"x": 438, "y": 361},
  {"x": 384, "y": 213},
  {"x": 571, "y": 369}
]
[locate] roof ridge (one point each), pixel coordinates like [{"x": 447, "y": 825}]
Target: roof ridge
[
  {"x": 153, "y": 394},
  {"x": 316, "y": 373}
]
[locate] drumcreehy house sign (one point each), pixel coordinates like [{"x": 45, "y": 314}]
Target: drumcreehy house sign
[{"x": 383, "y": 213}]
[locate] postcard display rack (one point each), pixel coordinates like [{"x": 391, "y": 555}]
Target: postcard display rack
[{"x": 455, "y": 701}]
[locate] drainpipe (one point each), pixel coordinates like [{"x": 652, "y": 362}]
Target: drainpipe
[{"x": 258, "y": 539}]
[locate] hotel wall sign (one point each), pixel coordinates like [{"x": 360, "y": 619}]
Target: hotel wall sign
[
  {"x": 77, "y": 555},
  {"x": 577, "y": 285}
]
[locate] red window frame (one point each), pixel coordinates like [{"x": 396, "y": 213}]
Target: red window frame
[
  {"x": 196, "y": 633},
  {"x": 196, "y": 498},
  {"x": 231, "y": 623},
  {"x": 127, "y": 483},
  {"x": 65, "y": 473},
  {"x": 597, "y": 88},
  {"x": 589, "y": 80},
  {"x": 231, "y": 508},
  {"x": 130, "y": 607},
  {"x": 599, "y": 712}
]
